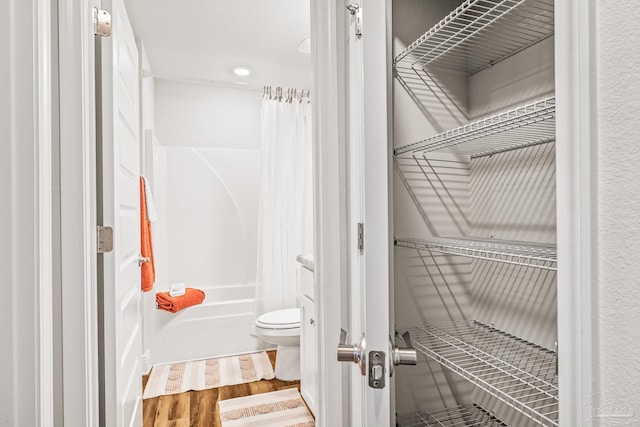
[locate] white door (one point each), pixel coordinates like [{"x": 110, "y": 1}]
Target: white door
[
  {"x": 369, "y": 165},
  {"x": 121, "y": 290}
]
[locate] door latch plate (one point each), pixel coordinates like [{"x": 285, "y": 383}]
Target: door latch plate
[{"x": 377, "y": 369}]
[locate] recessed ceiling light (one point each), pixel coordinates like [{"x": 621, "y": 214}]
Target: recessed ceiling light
[
  {"x": 241, "y": 71},
  {"x": 305, "y": 46}
]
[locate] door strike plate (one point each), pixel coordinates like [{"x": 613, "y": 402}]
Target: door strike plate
[{"x": 377, "y": 369}]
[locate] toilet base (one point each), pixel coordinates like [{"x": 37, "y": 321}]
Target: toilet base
[{"x": 288, "y": 362}]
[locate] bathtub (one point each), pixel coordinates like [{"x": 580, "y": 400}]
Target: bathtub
[{"x": 220, "y": 326}]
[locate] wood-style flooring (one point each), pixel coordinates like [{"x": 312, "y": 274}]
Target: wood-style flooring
[{"x": 199, "y": 408}]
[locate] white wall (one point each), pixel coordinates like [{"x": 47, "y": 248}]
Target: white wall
[
  {"x": 193, "y": 115},
  {"x": 618, "y": 210},
  {"x": 6, "y": 316},
  {"x": 206, "y": 178},
  {"x": 21, "y": 372}
]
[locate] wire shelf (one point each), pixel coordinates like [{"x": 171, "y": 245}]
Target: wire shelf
[
  {"x": 528, "y": 125},
  {"x": 520, "y": 374},
  {"x": 467, "y": 416},
  {"x": 537, "y": 255},
  {"x": 480, "y": 33}
]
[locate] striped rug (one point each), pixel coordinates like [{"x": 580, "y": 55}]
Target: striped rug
[
  {"x": 282, "y": 408},
  {"x": 203, "y": 374}
]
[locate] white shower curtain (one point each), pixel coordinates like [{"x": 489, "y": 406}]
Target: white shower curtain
[{"x": 285, "y": 227}]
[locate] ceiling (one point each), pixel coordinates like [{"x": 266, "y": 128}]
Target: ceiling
[{"x": 205, "y": 39}]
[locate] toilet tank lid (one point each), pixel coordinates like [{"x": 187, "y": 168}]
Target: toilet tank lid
[{"x": 288, "y": 316}]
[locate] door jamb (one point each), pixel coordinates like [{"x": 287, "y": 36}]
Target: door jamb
[
  {"x": 44, "y": 98},
  {"x": 77, "y": 243},
  {"x": 576, "y": 155},
  {"x": 329, "y": 208}
]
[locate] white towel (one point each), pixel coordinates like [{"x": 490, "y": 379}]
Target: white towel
[{"x": 152, "y": 213}]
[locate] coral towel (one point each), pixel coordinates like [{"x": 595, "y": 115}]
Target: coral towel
[
  {"x": 148, "y": 269},
  {"x": 173, "y": 304}
]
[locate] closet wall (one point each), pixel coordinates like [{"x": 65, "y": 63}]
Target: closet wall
[
  {"x": 618, "y": 203},
  {"x": 206, "y": 161},
  {"x": 505, "y": 196}
]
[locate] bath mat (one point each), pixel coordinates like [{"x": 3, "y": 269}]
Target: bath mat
[
  {"x": 203, "y": 374},
  {"x": 283, "y": 408}
]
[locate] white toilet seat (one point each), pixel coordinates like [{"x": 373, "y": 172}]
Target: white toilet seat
[{"x": 288, "y": 318}]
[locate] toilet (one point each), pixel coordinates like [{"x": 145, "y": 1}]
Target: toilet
[{"x": 282, "y": 328}]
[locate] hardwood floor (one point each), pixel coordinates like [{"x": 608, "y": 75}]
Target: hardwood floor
[{"x": 198, "y": 408}]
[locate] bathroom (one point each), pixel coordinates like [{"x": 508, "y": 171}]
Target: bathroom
[{"x": 203, "y": 82}]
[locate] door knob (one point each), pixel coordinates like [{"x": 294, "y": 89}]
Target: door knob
[
  {"x": 353, "y": 352},
  {"x": 142, "y": 260},
  {"x": 406, "y": 355}
]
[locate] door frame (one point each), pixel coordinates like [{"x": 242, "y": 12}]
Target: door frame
[
  {"x": 576, "y": 171},
  {"x": 27, "y": 247},
  {"x": 576, "y": 163},
  {"x": 77, "y": 245},
  {"x": 44, "y": 82},
  {"x": 330, "y": 270}
]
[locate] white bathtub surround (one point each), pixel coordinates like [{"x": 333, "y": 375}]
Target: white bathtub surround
[
  {"x": 285, "y": 219},
  {"x": 206, "y": 237},
  {"x": 205, "y": 176},
  {"x": 207, "y": 199}
]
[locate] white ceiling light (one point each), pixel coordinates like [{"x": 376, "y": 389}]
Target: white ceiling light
[
  {"x": 241, "y": 71},
  {"x": 305, "y": 46}
]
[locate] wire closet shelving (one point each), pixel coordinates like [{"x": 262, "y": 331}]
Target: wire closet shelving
[
  {"x": 467, "y": 416},
  {"x": 524, "y": 126},
  {"x": 527, "y": 254},
  {"x": 480, "y": 33},
  {"x": 475, "y": 36},
  {"x": 520, "y": 374}
]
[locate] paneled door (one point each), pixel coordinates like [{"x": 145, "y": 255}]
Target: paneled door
[{"x": 119, "y": 205}]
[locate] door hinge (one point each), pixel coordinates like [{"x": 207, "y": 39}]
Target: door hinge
[
  {"x": 101, "y": 22},
  {"x": 356, "y": 11},
  {"x": 360, "y": 236},
  {"x": 105, "y": 239}
]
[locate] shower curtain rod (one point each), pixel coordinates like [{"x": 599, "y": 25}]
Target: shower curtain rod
[{"x": 292, "y": 94}]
